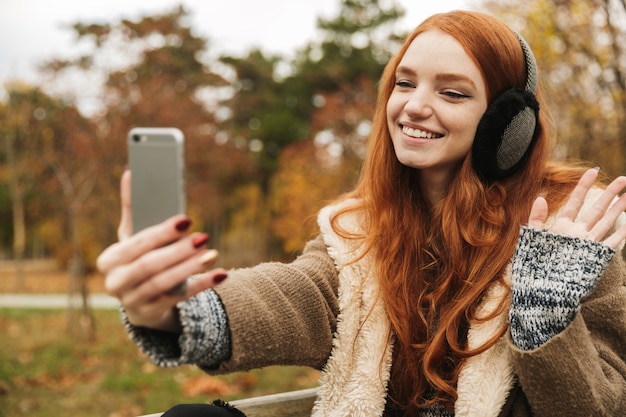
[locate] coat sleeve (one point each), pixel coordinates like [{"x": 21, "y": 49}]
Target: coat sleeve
[
  {"x": 282, "y": 314},
  {"x": 582, "y": 370}
]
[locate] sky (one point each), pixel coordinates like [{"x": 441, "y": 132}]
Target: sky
[{"x": 32, "y": 30}]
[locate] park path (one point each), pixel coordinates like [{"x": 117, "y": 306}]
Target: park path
[{"x": 98, "y": 301}]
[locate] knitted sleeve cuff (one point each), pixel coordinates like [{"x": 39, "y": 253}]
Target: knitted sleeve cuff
[
  {"x": 204, "y": 341},
  {"x": 551, "y": 274}
]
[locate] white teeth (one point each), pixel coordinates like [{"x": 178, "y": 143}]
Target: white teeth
[{"x": 417, "y": 133}]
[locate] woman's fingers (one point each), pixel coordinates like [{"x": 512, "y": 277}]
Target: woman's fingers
[
  {"x": 577, "y": 197},
  {"x": 204, "y": 281},
  {"x": 594, "y": 223},
  {"x": 159, "y": 312},
  {"x": 201, "y": 282},
  {"x": 159, "y": 284},
  {"x": 154, "y": 237},
  {"x": 144, "y": 268},
  {"x": 608, "y": 221},
  {"x": 151, "y": 262},
  {"x": 604, "y": 212},
  {"x": 602, "y": 216},
  {"x": 207, "y": 260}
]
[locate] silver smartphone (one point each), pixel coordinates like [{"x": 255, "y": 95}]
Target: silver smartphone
[{"x": 156, "y": 162}]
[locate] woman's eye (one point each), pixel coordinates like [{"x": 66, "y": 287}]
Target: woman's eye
[
  {"x": 404, "y": 84},
  {"x": 454, "y": 94}
]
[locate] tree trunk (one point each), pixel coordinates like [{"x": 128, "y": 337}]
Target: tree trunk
[
  {"x": 17, "y": 207},
  {"x": 78, "y": 283}
]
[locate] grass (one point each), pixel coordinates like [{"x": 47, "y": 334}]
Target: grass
[
  {"x": 47, "y": 371},
  {"x": 44, "y": 372}
]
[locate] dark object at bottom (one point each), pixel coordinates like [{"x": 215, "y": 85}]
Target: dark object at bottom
[{"x": 218, "y": 408}]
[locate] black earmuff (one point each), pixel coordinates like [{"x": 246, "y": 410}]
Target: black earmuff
[{"x": 508, "y": 130}]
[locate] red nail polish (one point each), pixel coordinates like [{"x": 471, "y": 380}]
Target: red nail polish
[
  {"x": 199, "y": 240},
  {"x": 183, "y": 225},
  {"x": 219, "y": 278}
]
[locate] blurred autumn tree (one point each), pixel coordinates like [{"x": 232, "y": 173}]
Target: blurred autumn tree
[
  {"x": 268, "y": 140},
  {"x": 22, "y": 168},
  {"x": 159, "y": 84},
  {"x": 49, "y": 151},
  {"x": 70, "y": 152},
  {"x": 581, "y": 52}
]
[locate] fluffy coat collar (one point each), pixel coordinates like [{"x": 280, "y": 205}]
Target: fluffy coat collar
[{"x": 354, "y": 380}]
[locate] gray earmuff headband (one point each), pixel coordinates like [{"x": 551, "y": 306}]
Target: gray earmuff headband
[{"x": 508, "y": 129}]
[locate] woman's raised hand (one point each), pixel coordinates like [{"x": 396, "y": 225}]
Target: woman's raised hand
[
  {"x": 593, "y": 224},
  {"x": 141, "y": 269}
]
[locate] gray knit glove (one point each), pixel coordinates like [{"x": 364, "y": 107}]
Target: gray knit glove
[
  {"x": 550, "y": 276},
  {"x": 205, "y": 340}
]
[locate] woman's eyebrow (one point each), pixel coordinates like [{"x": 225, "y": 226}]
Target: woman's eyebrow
[
  {"x": 402, "y": 69},
  {"x": 455, "y": 77}
]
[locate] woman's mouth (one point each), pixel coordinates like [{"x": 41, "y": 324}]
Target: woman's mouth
[{"x": 420, "y": 134}]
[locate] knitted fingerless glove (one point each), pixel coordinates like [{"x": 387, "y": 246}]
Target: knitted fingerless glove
[
  {"x": 205, "y": 340},
  {"x": 550, "y": 276}
]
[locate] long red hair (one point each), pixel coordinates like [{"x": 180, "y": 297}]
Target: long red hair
[{"x": 436, "y": 263}]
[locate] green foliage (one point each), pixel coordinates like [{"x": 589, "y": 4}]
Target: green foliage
[
  {"x": 277, "y": 110},
  {"x": 264, "y": 110},
  {"x": 358, "y": 41}
]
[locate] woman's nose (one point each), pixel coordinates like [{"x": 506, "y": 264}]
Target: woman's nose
[{"x": 419, "y": 104}]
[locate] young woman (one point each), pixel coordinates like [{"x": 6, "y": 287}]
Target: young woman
[{"x": 465, "y": 275}]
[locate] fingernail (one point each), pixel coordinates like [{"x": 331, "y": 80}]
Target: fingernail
[
  {"x": 209, "y": 258},
  {"x": 183, "y": 225},
  {"x": 541, "y": 195},
  {"x": 199, "y": 240},
  {"x": 220, "y": 278},
  {"x": 597, "y": 169}
]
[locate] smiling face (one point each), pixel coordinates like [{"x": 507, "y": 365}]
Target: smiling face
[{"x": 433, "y": 112}]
